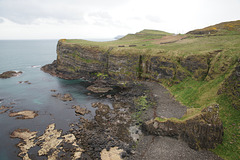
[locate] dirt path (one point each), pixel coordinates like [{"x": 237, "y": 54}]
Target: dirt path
[
  {"x": 165, "y": 148},
  {"x": 169, "y": 39}
]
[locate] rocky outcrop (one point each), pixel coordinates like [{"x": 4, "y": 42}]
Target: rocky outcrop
[
  {"x": 9, "y": 74},
  {"x": 198, "y": 65},
  {"x": 23, "y": 114},
  {"x": 75, "y": 61},
  {"x": 203, "y": 131},
  {"x": 80, "y": 111},
  {"x": 231, "y": 87}
]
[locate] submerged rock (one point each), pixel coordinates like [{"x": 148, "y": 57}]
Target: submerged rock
[
  {"x": 23, "y": 114},
  {"x": 65, "y": 97},
  {"x": 27, "y": 82},
  {"x": 10, "y": 74},
  {"x": 4, "y": 109}
]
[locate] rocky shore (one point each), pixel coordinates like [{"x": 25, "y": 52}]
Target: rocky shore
[{"x": 124, "y": 130}]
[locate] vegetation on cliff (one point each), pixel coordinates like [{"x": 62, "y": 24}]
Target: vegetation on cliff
[{"x": 200, "y": 68}]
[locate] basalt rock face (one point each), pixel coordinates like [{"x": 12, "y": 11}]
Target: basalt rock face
[
  {"x": 231, "y": 87},
  {"x": 75, "y": 61},
  {"x": 204, "y": 131},
  {"x": 198, "y": 65}
]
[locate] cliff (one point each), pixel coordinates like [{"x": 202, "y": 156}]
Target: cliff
[
  {"x": 78, "y": 61},
  {"x": 197, "y": 67}
]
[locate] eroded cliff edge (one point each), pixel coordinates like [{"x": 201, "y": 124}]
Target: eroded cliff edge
[{"x": 75, "y": 61}]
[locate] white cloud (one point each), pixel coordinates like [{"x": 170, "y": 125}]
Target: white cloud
[{"x": 39, "y": 19}]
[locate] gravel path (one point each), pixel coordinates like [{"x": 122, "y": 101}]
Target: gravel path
[{"x": 165, "y": 148}]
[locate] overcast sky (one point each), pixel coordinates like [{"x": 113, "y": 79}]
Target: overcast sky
[{"x": 105, "y": 19}]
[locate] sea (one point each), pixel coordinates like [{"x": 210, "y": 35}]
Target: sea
[{"x": 29, "y": 56}]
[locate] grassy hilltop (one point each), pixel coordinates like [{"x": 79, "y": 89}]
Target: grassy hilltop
[{"x": 221, "y": 45}]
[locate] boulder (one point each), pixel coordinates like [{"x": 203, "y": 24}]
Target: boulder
[
  {"x": 80, "y": 110},
  {"x": 10, "y": 74},
  {"x": 202, "y": 131}
]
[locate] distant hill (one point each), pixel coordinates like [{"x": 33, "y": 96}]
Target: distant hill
[
  {"x": 221, "y": 28},
  {"x": 146, "y": 34}
]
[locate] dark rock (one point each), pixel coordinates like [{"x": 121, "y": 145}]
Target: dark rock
[
  {"x": 204, "y": 131},
  {"x": 10, "y": 74},
  {"x": 231, "y": 87},
  {"x": 198, "y": 65},
  {"x": 133, "y": 45}
]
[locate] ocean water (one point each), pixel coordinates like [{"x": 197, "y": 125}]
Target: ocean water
[{"x": 28, "y": 56}]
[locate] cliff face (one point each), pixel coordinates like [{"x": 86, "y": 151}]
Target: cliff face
[
  {"x": 76, "y": 61},
  {"x": 231, "y": 87},
  {"x": 201, "y": 131}
]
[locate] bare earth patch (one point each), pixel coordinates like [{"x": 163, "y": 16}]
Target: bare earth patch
[{"x": 169, "y": 39}]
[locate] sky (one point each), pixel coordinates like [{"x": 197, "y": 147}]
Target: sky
[{"x": 106, "y": 19}]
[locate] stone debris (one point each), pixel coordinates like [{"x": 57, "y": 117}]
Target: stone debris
[
  {"x": 23, "y": 114},
  {"x": 113, "y": 154}
]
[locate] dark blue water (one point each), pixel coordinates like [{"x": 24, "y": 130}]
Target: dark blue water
[{"x": 28, "y": 56}]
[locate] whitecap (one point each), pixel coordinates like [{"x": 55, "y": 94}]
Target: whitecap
[{"x": 36, "y": 66}]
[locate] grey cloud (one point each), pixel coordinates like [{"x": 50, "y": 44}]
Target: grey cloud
[
  {"x": 1, "y": 20},
  {"x": 154, "y": 19},
  {"x": 103, "y": 15},
  {"x": 28, "y": 10}
]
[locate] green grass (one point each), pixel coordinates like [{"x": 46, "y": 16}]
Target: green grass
[
  {"x": 230, "y": 149},
  {"x": 200, "y": 94},
  {"x": 197, "y": 94}
]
